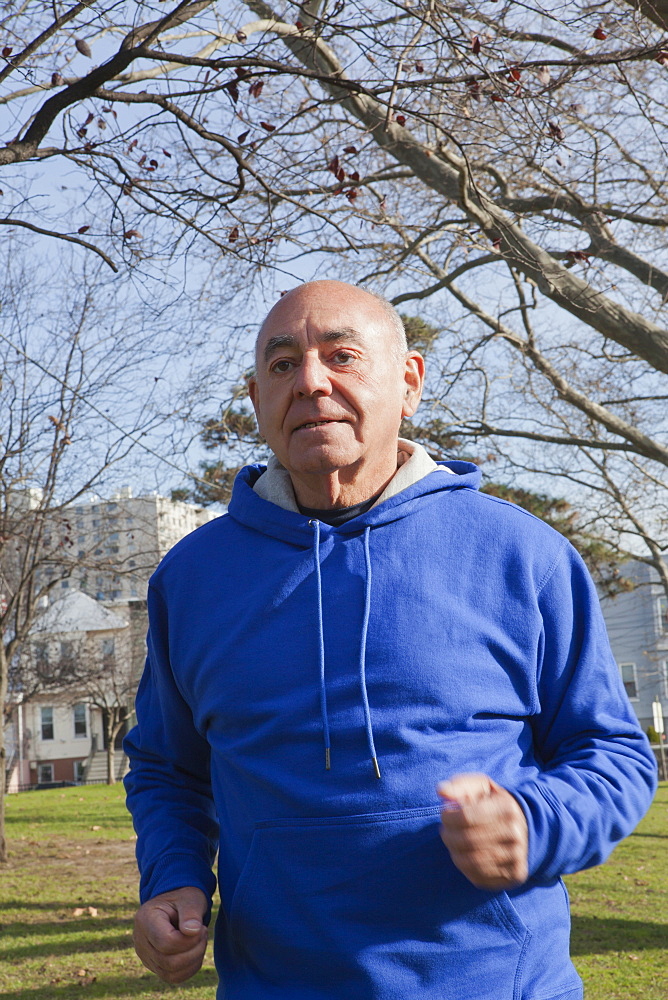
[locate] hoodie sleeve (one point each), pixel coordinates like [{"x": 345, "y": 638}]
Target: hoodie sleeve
[
  {"x": 168, "y": 785},
  {"x": 598, "y": 772}
]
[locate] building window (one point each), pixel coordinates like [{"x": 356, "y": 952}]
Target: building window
[
  {"x": 108, "y": 649},
  {"x": 47, "y": 722},
  {"x": 45, "y": 774},
  {"x": 663, "y": 614},
  {"x": 79, "y": 770},
  {"x": 67, "y": 655},
  {"x": 80, "y": 727},
  {"x": 628, "y": 672},
  {"x": 663, "y": 680}
]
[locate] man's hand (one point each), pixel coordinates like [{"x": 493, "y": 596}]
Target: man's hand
[
  {"x": 484, "y": 828},
  {"x": 170, "y": 935}
]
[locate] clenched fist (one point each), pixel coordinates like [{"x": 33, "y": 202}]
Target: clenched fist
[
  {"x": 170, "y": 935},
  {"x": 484, "y": 829}
]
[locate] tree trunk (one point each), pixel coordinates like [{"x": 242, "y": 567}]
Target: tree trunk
[
  {"x": 3, "y": 842},
  {"x": 111, "y": 728},
  {"x": 653, "y": 10},
  {"x": 3, "y": 752}
]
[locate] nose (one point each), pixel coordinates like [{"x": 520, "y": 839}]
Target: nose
[{"x": 312, "y": 377}]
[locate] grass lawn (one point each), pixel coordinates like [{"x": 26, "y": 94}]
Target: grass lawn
[
  {"x": 619, "y": 941},
  {"x": 73, "y": 848}
]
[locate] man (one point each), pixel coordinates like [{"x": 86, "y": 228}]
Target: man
[{"x": 362, "y": 647}]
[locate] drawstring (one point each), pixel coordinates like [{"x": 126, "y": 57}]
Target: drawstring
[
  {"x": 321, "y": 639},
  {"x": 362, "y": 661},
  {"x": 365, "y": 628}
]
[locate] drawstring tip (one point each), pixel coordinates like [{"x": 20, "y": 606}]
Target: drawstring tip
[
  {"x": 328, "y": 763},
  {"x": 375, "y": 767}
]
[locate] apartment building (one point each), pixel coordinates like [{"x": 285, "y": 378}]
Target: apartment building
[{"x": 111, "y": 547}]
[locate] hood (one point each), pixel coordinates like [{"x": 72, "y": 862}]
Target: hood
[
  {"x": 249, "y": 508},
  {"x": 413, "y": 463}
]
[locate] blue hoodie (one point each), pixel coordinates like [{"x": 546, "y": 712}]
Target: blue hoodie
[{"x": 291, "y": 662}]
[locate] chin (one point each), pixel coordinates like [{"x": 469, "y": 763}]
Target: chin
[{"x": 323, "y": 462}]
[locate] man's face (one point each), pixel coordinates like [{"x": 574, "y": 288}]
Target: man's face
[{"x": 330, "y": 388}]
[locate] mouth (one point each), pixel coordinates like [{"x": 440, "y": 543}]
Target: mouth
[{"x": 317, "y": 423}]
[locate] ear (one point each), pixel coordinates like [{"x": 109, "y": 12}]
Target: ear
[
  {"x": 414, "y": 380},
  {"x": 251, "y": 385}
]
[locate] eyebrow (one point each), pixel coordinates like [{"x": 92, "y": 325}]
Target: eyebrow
[{"x": 287, "y": 340}]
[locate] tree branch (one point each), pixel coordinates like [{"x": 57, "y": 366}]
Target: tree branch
[
  {"x": 21, "y": 57},
  {"x": 654, "y": 10},
  {"x": 221, "y": 140},
  {"x": 26, "y": 148},
  {"x": 602, "y": 245},
  {"x": 483, "y": 428},
  {"x": 423, "y": 293},
  {"x": 61, "y": 236},
  {"x": 449, "y": 175},
  {"x": 641, "y": 443}
]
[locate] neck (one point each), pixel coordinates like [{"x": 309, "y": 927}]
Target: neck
[{"x": 341, "y": 487}]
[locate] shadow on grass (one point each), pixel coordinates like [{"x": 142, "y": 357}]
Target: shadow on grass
[
  {"x": 85, "y": 936},
  {"x": 596, "y": 935},
  {"x": 102, "y": 935},
  {"x": 113, "y": 988}
]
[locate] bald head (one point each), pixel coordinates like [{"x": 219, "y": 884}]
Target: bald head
[
  {"x": 348, "y": 295},
  {"x": 333, "y": 381}
]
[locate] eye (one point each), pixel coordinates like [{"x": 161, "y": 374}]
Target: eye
[
  {"x": 343, "y": 357},
  {"x": 282, "y": 366}
]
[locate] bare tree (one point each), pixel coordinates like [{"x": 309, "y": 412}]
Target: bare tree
[
  {"x": 521, "y": 142},
  {"x": 77, "y": 398},
  {"x": 505, "y": 165},
  {"x": 500, "y": 168}
]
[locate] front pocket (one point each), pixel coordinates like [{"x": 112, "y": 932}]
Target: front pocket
[{"x": 370, "y": 906}]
